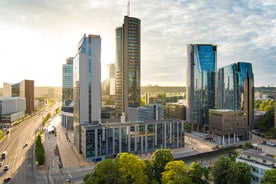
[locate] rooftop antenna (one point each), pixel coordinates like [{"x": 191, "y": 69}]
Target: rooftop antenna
[{"x": 128, "y": 8}]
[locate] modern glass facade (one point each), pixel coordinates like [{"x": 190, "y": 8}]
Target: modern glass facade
[
  {"x": 67, "y": 94},
  {"x": 235, "y": 89},
  {"x": 200, "y": 90},
  {"x": 128, "y": 64},
  {"x": 119, "y": 71},
  {"x": 106, "y": 141},
  {"x": 67, "y": 82},
  {"x": 87, "y": 84}
]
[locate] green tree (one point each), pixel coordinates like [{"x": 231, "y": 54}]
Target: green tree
[
  {"x": 176, "y": 172},
  {"x": 267, "y": 121},
  {"x": 132, "y": 169},
  {"x": 221, "y": 169},
  {"x": 159, "y": 159},
  {"x": 188, "y": 127},
  {"x": 239, "y": 173},
  {"x": 106, "y": 172},
  {"x": 269, "y": 177},
  {"x": 39, "y": 150},
  {"x": 226, "y": 171},
  {"x": 149, "y": 172},
  {"x": 198, "y": 174}
]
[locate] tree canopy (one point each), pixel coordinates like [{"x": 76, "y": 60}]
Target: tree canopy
[
  {"x": 176, "y": 172},
  {"x": 269, "y": 177},
  {"x": 159, "y": 159},
  {"x": 227, "y": 171}
]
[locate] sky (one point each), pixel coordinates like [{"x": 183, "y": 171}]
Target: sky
[{"x": 36, "y": 37}]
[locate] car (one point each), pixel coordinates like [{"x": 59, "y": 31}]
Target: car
[
  {"x": 7, "y": 179},
  {"x": 1, "y": 164},
  {"x": 6, "y": 168},
  {"x": 25, "y": 145}
]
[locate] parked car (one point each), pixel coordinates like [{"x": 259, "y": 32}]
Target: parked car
[
  {"x": 7, "y": 179},
  {"x": 1, "y": 164},
  {"x": 6, "y": 168}
]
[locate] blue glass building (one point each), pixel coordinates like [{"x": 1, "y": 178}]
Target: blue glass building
[
  {"x": 235, "y": 89},
  {"x": 200, "y": 87},
  {"x": 67, "y": 94}
]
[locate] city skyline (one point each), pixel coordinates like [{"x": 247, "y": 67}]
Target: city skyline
[{"x": 37, "y": 37}]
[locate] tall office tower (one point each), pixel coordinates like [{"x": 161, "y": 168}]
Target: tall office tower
[
  {"x": 67, "y": 82},
  {"x": 87, "y": 84},
  {"x": 67, "y": 94},
  {"x": 128, "y": 79},
  {"x": 111, "y": 71},
  {"x": 111, "y": 78},
  {"x": 200, "y": 89},
  {"x": 23, "y": 89},
  {"x": 235, "y": 89}
]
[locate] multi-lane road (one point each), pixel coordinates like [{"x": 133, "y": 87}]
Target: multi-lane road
[{"x": 19, "y": 145}]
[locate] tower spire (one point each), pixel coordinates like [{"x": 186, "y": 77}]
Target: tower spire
[{"x": 128, "y": 8}]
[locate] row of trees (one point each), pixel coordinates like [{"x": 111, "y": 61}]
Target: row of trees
[
  {"x": 45, "y": 119},
  {"x": 39, "y": 150},
  {"x": 162, "y": 168}
]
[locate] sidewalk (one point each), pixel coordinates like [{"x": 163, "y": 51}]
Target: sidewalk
[{"x": 69, "y": 155}]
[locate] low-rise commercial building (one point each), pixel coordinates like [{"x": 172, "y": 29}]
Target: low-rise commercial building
[
  {"x": 227, "y": 126},
  {"x": 259, "y": 162},
  {"x": 101, "y": 141}
]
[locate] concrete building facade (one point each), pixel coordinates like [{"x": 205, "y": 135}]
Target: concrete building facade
[{"x": 227, "y": 126}]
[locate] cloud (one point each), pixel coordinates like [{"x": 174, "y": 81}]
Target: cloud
[{"x": 242, "y": 30}]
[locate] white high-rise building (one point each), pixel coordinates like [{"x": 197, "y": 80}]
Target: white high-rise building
[{"x": 87, "y": 84}]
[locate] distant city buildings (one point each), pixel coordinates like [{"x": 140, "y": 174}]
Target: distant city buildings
[
  {"x": 67, "y": 94},
  {"x": 87, "y": 85},
  {"x": 149, "y": 112},
  {"x": 175, "y": 110},
  {"x": 23, "y": 89},
  {"x": 128, "y": 64},
  {"x": 200, "y": 85},
  {"x": 11, "y": 109},
  {"x": 108, "y": 85}
]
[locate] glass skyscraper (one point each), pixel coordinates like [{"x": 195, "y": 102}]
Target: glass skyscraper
[
  {"x": 87, "y": 84},
  {"x": 67, "y": 82},
  {"x": 128, "y": 64},
  {"x": 235, "y": 89},
  {"x": 200, "y": 87},
  {"x": 67, "y": 94}
]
